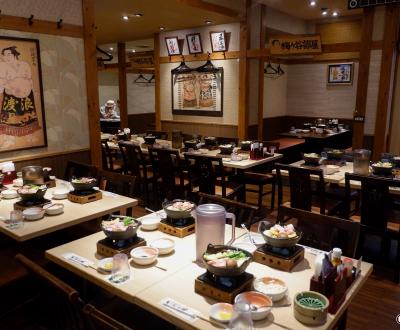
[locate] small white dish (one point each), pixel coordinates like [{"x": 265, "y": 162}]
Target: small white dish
[
  {"x": 164, "y": 245},
  {"x": 52, "y": 177},
  {"x": 221, "y": 312},
  {"x": 18, "y": 182},
  {"x": 150, "y": 222},
  {"x": 9, "y": 194},
  {"x": 273, "y": 287},
  {"x": 245, "y": 246},
  {"x": 54, "y": 209},
  {"x": 105, "y": 264},
  {"x": 61, "y": 193},
  {"x": 144, "y": 255},
  {"x": 33, "y": 213},
  {"x": 260, "y": 303}
]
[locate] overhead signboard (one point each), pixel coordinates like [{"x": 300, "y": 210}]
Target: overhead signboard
[
  {"x": 356, "y": 4},
  {"x": 295, "y": 44},
  {"x": 141, "y": 59}
]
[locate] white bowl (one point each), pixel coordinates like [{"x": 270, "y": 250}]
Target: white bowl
[
  {"x": 221, "y": 312},
  {"x": 245, "y": 246},
  {"x": 33, "y": 213},
  {"x": 18, "y": 182},
  {"x": 54, "y": 209},
  {"x": 150, "y": 222},
  {"x": 105, "y": 264},
  {"x": 274, "y": 288},
  {"x": 60, "y": 193},
  {"x": 261, "y": 302},
  {"x": 144, "y": 255},
  {"x": 9, "y": 194},
  {"x": 164, "y": 245}
]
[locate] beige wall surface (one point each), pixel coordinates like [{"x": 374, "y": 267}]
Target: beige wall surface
[
  {"x": 108, "y": 86},
  {"x": 64, "y": 89},
  {"x": 141, "y": 96},
  {"x": 280, "y": 21},
  {"x": 275, "y": 94}
]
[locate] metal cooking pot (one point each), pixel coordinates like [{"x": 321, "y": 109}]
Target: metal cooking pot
[{"x": 32, "y": 175}]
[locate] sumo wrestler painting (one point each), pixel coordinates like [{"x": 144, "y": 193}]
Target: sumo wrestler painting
[{"x": 22, "y": 122}]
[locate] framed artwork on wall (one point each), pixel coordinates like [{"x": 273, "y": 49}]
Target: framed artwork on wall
[
  {"x": 194, "y": 43},
  {"x": 172, "y": 46},
  {"x": 22, "y": 117},
  {"x": 218, "y": 41},
  {"x": 340, "y": 74}
]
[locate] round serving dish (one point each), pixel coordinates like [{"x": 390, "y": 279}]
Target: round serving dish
[
  {"x": 36, "y": 196},
  {"x": 273, "y": 287},
  {"x": 210, "y": 141},
  {"x": 310, "y": 307},
  {"x": 278, "y": 241},
  {"x": 190, "y": 144},
  {"x": 311, "y": 159},
  {"x": 219, "y": 271},
  {"x": 221, "y": 312},
  {"x": 226, "y": 149},
  {"x": 335, "y": 154},
  {"x": 83, "y": 186},
  {"x": 124, "y": 234},
  {"x": 164, "y": 245},
  {"x": 9, "y": 194},
  {"x": 149, "y": 139},
  {"x": 54, "y": 209},
  {"x": 177, "y": 214},
  {"x": 150, "y": 222},
  {"x": 144, "y": 255},
  {"x": 33, "y": 213},
  {"x": 60, "y": 193},
  {"x": 379, "y": 169},
  {"x": 245, "y": 145},
  {"x": 260, "y": 304}
]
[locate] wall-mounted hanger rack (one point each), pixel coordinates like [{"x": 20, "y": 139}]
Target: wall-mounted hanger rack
[
  {"x": 152, "y": 78},
  {"x": 141, "y": 80},
  {"x": 109, "y": 56}
]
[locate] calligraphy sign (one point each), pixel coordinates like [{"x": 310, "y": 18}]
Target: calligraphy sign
[
  {"x": 142, "y": 59},
  {"x": 295, "y": 44}
]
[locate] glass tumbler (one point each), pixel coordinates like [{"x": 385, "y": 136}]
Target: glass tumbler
[
  {"x": 16, "y": 220},
  {"x": 241, "y": 319},
  {"x": 120, "y": 271}
]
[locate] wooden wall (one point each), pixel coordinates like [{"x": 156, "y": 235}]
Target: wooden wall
[
  {"x": 200, "y": 128},
  {"x": 140, "y": 122}
]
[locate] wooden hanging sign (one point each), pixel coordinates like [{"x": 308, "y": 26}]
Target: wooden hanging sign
[
  {"x": 141, "y": 59},
  {"x": 295, "y": 44}
]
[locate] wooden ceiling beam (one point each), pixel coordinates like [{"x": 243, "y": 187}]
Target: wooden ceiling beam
[{"x": 210, "y": 7}]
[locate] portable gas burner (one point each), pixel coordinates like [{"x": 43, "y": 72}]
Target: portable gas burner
[
  {"x": 84, "y": 196},
  {"x": 222, "y": 288},
  {"x": 281, "y": 258},
  {"x": 108, "y": 247},
  {"x": 177, "y": 227},
  {"x": 22, "y": 205}
]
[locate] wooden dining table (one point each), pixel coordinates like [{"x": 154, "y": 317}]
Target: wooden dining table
[
  {"x": 74, "y": 213},
  {"x": 149, "y": 286}
]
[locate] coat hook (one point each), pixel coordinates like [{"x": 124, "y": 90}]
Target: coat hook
[
  {"x": 59, "y": 23},
  {"x": 30, "y": 20}
]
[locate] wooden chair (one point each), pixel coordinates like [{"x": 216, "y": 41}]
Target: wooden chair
[
  {"x": 135, "y": 164},
  {"x": 99, "y": 321},
  {"x": 76, "y": 169},
  {"x": 245, "y": 213},
  {"x": 161, "y": 135},
  {"x": 300, "y": 184},
  {"x": 262, "y": 179},
  {"x": 378, "y": 216},
  {"x": 207, "y": 175},
  {"x": 322, "y": 231},
  {"x": 110, "y": 161},
  {"x": 169, "y": 171},
  {"x": 60, "y": 303},
  {"x": 117, "y": 183}
]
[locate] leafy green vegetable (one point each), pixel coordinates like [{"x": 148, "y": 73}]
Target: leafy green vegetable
[
  {"x": 236, "y": 255},
  {"x": 128, "y": 221}
]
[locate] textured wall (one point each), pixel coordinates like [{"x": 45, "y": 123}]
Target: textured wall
[
  {"x": 64, "y": 87},
  {"x": 275, "y": 94},
  {"x": 141, "y": 96},
  {"x": 108, "y": 86}
]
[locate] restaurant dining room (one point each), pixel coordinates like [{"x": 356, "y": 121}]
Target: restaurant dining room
[{"x": 199, "y": 164}]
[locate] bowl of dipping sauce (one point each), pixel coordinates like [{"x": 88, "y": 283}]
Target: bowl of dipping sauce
[
  {"x": 260, "y": 304},
  {"x": 164, "y": 245},
  {"x": 144, "y": 255},
  {"x": 274, "y": 288},
  {"x": 221, "y": 312}
]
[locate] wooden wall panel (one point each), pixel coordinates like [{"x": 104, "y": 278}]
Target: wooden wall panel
[
  {"x": 123, "y": 98},
  {"x": 157, "y": 80},
  {"x": 346, "y": 31},
  {"x": 200, "y": 128},
  {"x": 141, "y": 122}
]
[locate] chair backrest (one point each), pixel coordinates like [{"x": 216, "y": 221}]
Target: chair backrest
[
  {"x": 117, "y": 183},
  {"x": 158, "y": 134},
  {"x": 300, "y": 184},
  {"x": 76, "y": 169},
  {"x": 321, "y": 231},
  {"x": 132, "y": 158},
  {"x": 376, "y": 202},
  {"x": 244, "y": 212},
  {"x": 107, "y": 159},
  {"x": 203, "y": 172},
  {"x": 61, "y": 304},
  {"x": 227, "y": 140},
  {"x": 99, "y": 321}
]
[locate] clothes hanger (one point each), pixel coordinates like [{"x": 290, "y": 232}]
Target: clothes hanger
[
  {"x": 153, "y": 77},
  {"x": 140, "y": 79}
]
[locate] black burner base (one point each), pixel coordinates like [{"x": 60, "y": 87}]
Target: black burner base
[
  {"x": 179, "y": 223},
  {"x": 225, "y": 283}
]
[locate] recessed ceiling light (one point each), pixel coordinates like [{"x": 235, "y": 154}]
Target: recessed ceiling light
[
  {"x": 207, "y": 21},
  {"x": 133, "y": 51},
  {"x": 138, "y": 15},
  {"x": 162, "y": 28},
  {"x": 313, "y": 3},
  {"x": 125, "y": 17},
  {"x": 335, "y": 13},
  {"x": 111, "y": 48},
  {"x": 324, "y": 11}
]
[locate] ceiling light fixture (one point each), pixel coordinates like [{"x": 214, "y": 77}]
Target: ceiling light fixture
[
  {"x": 111, "y": 48},
  {"x": 324, "y": 11},
  {"x": 207, "y": 21},
  {"x": 133, "y": 51},
  {"x": 335, "y": 14},
  {"x": 138, "y": 15},
  {"x": 125, "y": 17},
  {"x": 313, "y": 3},
  {"x": 162, "y": 28}
]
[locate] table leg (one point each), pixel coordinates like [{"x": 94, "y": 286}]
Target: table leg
[{"x": 341, "y": 323}]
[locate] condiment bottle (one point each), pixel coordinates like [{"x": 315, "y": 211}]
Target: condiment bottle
[
  {"x": 261, "y": 151},
  {"x": 336, "y": 257},
  {"x": 348, "y": 269},
  {"x": 252, "y": 151}
]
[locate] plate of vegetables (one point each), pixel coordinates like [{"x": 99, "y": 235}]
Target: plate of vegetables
[
  {"x": 279, "y": 235},
  {"x": 226, "y": 260},
  {"x": 178, "y": 208},
  {"x": 119, "y": 227},
  {"x": 84, "y": 183}
]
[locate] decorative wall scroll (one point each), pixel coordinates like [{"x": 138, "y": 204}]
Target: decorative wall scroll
[
  {"x": 295, "y": 44},
  {"x": 194, "y": 43},
  {"x": 340, "y": 74},
  {"x": 218, "y": 41},
  {"x": 197, "y": 93},
  {"x": 22, "y": 121},
  {"x": 173, "y": 46}
]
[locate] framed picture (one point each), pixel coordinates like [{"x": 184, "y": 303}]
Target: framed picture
[
  {"x": 194, "y": 43},
  {"x": 197, "y": 93},
  {"x": 218, "y": 41},
  {"x": 340, "y": 74},
  {"x": 172, "y": 46},
  {"x": 22, "y": 120}
]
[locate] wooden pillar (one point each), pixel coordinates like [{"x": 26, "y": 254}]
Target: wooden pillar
[
  {"x": 243, "y": 116},
  {"x": 263, "y": 27},
  {"x": 391, "y": 32},
  {"x": 92, "y": 85},
  {"x": 123, "y": 97},
  {"x": 363, "y": 73},
  {"x": 157, "y": 80}
]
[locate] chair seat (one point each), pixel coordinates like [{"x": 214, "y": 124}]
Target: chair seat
[
  {"x": 149, "y": 172},
  {"x": 314, "y": 209},
  {"x": 258, "y": 178},
  {"x": 178, "y": 181},
  {"x": 392, "y": 226}
]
